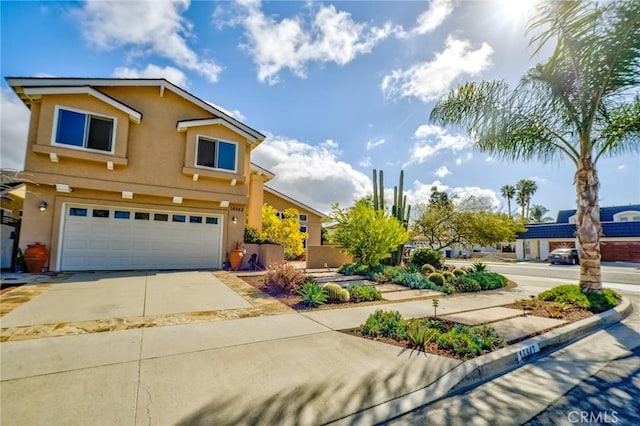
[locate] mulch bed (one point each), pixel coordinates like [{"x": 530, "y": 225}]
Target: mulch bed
[
  {"x": 293, "y": 300},
  {"x": 543, "y": 309}
]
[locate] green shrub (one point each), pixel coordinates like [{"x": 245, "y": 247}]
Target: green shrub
[
  {"x": 489, "y": 280},
  {"x": 347, "y": 268},
  {"x": 418, "y": 281},
  {"x": 448, "y": 276},
  {"x": 384, "y": 324},
  {"x": 411, "y": 268},
  {"x": 459, "y": 271},
  {"x": 460, "y": 341},
  {"x": 448, "y": 288},
  {"x": 420, "y": 334},
  {"x": 488, "y": 338},
  {"x": 479, "y": 267},
  {"x": 365, "y": 293},
  {"x": 572, "y": 295},
  {"x": 284, "y": 277},
  {"x": 423, "y": 256},
  {"x": 437, "y": 278},
  {"x": 362, "y": 270},
  {"x": 466, "y": 284},
  {"x": 312, "y": 294},
  {"x": 438, "y": 325},
  {"x": 427, "y": 269}
]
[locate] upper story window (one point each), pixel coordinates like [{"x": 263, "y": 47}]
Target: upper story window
[
  {"x": 84, "y": 130},
  {"x": 302, "y": 217},
  {"x": 627, "y": 216},
  {"x": 216, "y": 154}
]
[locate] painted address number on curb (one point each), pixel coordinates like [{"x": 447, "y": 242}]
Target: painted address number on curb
[{"x": 527, "y": 352}]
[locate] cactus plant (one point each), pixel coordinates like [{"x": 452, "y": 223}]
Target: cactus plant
[
  {"x": 337, "y": 293},
  {"x": 400, "y": 210}
]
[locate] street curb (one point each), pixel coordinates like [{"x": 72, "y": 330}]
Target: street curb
[{"x": 472, "y": 373}]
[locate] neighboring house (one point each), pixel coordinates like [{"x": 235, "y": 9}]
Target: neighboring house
[
  {"x": 620, "y": 238},
  {"x": 136, "y": 174},
  {"x": 13, "y": 194}
]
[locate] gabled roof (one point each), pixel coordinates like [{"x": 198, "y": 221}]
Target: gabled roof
[
  {"x": 568, "y": 230},
  {"x": 20, "y": 85},
  {"x": 261, "y": 171},
  {"x": 292, "y": 201},
  {"x": 606, "y": 213}
]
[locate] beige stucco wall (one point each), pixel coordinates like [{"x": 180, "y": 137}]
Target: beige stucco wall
[
  {"x": 331, "y": 256},
  {"x": 256, "y": 199},
  {"x": 314, "y": 222},
  {"x": 152, "y": 159}
]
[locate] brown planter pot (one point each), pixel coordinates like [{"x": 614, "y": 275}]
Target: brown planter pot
[
  {"x": 35, "y": 256},
  {"x": 235, "y": 259}
]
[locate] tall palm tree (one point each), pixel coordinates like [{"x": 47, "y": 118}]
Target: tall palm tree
[
  {"x": 508, "y": 192},
  {"x": 525, "y": 189},
  {"x": 582, "y": 103}
]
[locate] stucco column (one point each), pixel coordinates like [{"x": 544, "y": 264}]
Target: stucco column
[{"x": 256, "y": 199}]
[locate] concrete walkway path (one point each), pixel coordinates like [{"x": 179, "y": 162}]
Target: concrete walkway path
[{"x": 244, "y": 359}]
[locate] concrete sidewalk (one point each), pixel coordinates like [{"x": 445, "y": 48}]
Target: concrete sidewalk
[{"x": 274, "y": 366}]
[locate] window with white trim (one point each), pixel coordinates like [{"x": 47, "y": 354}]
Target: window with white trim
[
  {"x": 83, "y": 130},
  {"x": 216, "y": 154},
  {"x": 627, "y": 216},
  {"x": 302, "y": 217},
  {"x": 303, "y": 228}
]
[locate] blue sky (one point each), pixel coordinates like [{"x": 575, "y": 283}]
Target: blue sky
[{"x": 340, "y": 88}]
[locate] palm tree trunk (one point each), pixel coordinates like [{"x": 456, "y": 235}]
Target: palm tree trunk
[
  {"x": 588, "y": 225},
  {"x": 509, "y": 207}
]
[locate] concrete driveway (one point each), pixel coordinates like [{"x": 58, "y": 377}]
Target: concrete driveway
[
  {"x": 275, "y": 368},
  {"x": 105, "y": 295}
]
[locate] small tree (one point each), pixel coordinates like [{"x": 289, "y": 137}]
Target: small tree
[
  {"x": 285, "y": 231},
  {"x": 366, "y": 234}
]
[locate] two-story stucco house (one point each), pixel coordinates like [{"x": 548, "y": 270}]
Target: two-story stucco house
[{"x": 139, "y": 174}]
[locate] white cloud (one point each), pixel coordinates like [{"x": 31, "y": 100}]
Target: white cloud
[
  {"x": 311, "y": 174},
  {"x": 429, "y": 80},
  {"x": 156, "y": 27},
  {"x": 233, "y": 113},
  {"x": 331, "y": 36},
  {"x": 539, "y": 179},
  {"x": 435, "y": 15},
  {"x": 172, "y": 74},
  {"x": 14, "y": 122},
  {"x": 463, "y": 196},
  {"x": 373, "y": 143},
  {"x": 365, "y": 162},
  {"x": 489, "y": 159},
  {"x": 442, "y": 172},
  {"x": 622, "y": 166},
  {"x": 473, "y": 196},
  {"x": 431, "y": 139}
]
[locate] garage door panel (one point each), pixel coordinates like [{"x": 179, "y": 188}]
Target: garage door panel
[{"x": 120, "y": 241}]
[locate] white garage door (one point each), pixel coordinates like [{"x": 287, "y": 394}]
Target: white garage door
[{"x": 113, "y": 238}]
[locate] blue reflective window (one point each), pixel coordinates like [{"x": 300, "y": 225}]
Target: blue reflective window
[
  {"x": 121, "y": 215},
  {"x": 179, "y": 218},
  {"x": 195, "y": 219},
  {"x": 70, "y": 128},
  {"x": 212, "y": 221},
  {"x": 75, "y": 211},
  {"x": 226, "y": 156}
]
